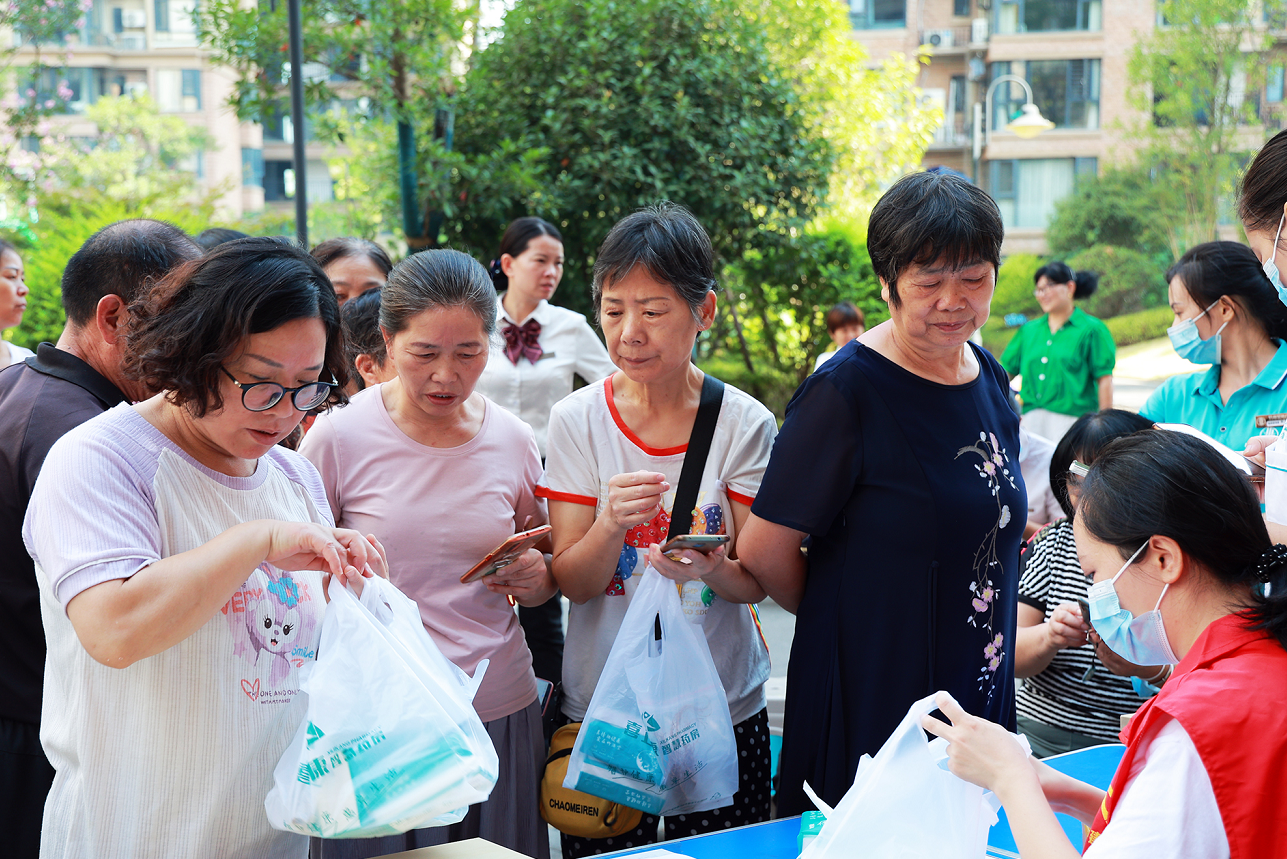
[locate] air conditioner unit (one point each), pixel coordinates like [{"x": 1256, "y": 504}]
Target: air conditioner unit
[
  {"x": 978, "y": 31},
  {"x": 133, "y": 19},
  {"x": 136, "y": 88},
  {"x": 937, "y": 38}
]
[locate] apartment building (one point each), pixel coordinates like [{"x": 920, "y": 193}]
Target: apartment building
[
  {"x": 1074, "y": 55},
  {"x": 133, "y": 46}
]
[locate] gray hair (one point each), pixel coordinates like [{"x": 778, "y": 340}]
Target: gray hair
[
  {"x": 433, "y": 279},
  {"x": 667, "y": 241}
]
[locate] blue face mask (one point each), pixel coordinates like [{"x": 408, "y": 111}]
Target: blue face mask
[
  {"x": 1190, "y": 346},
  {"x": 1141, "y": 640},
  {"x": 1271, "y": 269}
]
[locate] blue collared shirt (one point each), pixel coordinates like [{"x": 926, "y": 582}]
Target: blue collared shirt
[{"x": 1194, "y": 399}]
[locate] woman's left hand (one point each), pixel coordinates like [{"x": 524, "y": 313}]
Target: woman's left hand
[
  {"x": 979, "y": 751},
  {"x": 527, "y": 579},
  {"x": 695, "y": 564},
  {"x": 365, "y": 558}
]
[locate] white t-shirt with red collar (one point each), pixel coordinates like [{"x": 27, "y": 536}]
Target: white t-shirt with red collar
[{"x": 589, "y": 444}]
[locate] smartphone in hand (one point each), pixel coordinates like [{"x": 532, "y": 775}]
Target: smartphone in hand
[
  {"x": 704, "y": 543},
  {"x": 1085, "y": 613},
  {"x": 505, "y": 554}
]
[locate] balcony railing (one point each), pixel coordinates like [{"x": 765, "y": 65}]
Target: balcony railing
[
  {"x": 954, "y": 133},
  {"x": 956, "y": 38}
]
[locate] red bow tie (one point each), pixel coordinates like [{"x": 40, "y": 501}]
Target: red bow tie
[{"x": 521, "y": 341}]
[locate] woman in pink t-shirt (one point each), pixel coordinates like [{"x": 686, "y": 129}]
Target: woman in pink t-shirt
[{"x": 443, "y": 476}]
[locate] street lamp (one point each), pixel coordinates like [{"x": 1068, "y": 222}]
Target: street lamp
[{"x": 1027, "y": 125}]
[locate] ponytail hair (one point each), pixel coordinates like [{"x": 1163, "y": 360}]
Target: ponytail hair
[
  {"x": 518, "y": 235},
  {"x": 1084, "y": 282},
  {"x": 1169, "y": 484}
]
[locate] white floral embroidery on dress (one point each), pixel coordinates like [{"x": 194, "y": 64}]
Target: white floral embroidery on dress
[{"x": 994, "y": 468}]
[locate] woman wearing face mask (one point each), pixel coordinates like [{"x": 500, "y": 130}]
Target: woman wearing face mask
[
  {"x": 1226, "y": 315},
  {"x": 1076, "y": 690},
  {"x": 1066, "y": 357},
  {"x": 1172, "y": 535},
  {"x": 1262, "y": 208}
]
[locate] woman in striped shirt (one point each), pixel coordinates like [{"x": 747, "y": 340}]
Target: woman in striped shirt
[{"x": 1074, "y": 690}]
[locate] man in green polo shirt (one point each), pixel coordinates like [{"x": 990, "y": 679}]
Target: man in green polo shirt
[{"x": 1066, "y": 357}]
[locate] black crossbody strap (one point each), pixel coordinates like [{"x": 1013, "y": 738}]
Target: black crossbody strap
[{"x": 699, "y": 445}]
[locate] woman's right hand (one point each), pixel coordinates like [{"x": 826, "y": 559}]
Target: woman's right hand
[
  {"x": 1066, "y": 627},
  {"x": 1256, "y": 447},
  {"x": 634, "y": 498},
  {"x": 337, "y": 551}
]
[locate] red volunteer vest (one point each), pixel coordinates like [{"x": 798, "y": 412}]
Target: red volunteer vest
[{"x": 1230, "y": 695}]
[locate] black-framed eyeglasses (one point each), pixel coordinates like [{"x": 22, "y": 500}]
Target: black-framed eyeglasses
[{"x": 262, "y": 396}]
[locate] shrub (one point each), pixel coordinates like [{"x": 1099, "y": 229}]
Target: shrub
[
  {"x": 769, "y": 385},
  {"x": 1123, "y": 208},
  {"x": 1014, "y": 286},
  {"x": 1129, "y": 281},
  {"x": 63, "y": 227},
  {"x": 1138, "y": 327}
]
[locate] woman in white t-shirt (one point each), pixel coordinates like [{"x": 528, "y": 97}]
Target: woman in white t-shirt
[
  {"x": 180, "y": 555},
  {"x": 616, "y": 449},
  {"x": 444, "y": 476},
  {"x": 13, "y": 302}
]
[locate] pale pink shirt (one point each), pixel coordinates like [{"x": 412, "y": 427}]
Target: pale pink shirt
[{"x": 438, "y": 511}]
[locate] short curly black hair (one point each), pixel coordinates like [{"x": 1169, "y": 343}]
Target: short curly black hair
[{"x": 196, "y": 319}]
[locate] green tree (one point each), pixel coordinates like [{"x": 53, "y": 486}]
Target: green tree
[
  {"x": 136, "y": 156},
  {"x": 387, "y": 62},
  {"x": 393, "y": 57},
  {"x": 871, "y": 115},
  {"x": 784, "y": 290},
  {"x": 65, "y": 223},
  {"x": 1123, "y": 207},
  {"x": 36, "y": 84},
  {"x": 641, "y": 101},
  {"x": 1189, "y": 78}
]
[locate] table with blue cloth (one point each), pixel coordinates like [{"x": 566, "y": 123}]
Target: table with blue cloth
[{"x": 777, "y": 839}]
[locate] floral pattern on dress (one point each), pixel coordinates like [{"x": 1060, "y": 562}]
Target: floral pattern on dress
[{"x": 994, "y": 468}]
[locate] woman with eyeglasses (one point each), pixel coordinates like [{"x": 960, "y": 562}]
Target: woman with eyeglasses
[
  {"x": 1066, "y": 356},
  {"x": 444, "y": 475},
  {"x": 182, "y": 557},
  {"x": 1226, "y": 315}
]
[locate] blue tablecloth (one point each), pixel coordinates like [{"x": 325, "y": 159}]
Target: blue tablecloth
[{"x": 777, "y": 838}]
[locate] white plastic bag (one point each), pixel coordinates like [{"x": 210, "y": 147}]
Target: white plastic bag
[
  {"x": 657, "y": 735},
  {"x": 1276, "y": 481},
  {"x": 391, "y": 741},
  {"x": 905, "y": 803}
]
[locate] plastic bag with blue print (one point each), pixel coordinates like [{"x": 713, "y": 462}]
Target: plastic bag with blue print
[
  {"x": 657, "y": 735},
  {"x": 391, "y": 741}
]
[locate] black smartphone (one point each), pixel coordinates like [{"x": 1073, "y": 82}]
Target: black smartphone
[{"x": 703, "y": 543}]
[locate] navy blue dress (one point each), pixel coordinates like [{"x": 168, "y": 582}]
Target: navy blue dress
[{"x": 912, "y": 493}]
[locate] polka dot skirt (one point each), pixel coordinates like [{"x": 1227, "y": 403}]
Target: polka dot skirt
[{"x": 750, "y": 803}]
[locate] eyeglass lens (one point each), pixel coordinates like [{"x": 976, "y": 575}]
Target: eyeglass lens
[{"x": 264, "y": 395}]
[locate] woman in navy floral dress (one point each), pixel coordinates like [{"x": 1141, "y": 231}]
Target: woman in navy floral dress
[{"x": 899, "y": 459}]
